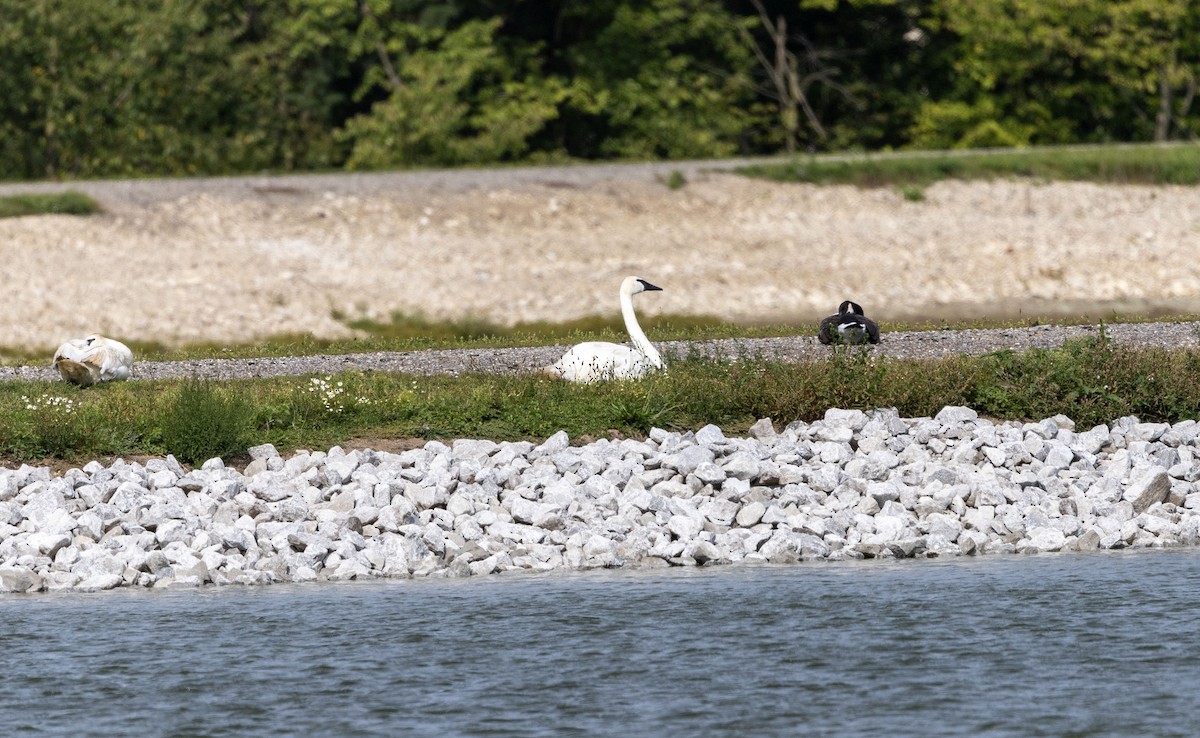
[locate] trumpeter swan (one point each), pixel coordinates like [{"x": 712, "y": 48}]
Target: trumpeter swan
[
  {"x": 86, "y": 361},
  {"x": 596, "y": 360},
  {"x": 849, "y": 326}
]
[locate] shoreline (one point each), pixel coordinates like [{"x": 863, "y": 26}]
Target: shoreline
[{"x": 851, "y": 486}]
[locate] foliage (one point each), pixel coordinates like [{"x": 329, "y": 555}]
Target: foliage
[
  {"x": 675, "y": 180},
  {"x": 668, "y": 79},
  {"x": 122, "y": 88},
  {"x": 1079, "y": 70},
  {"x": 453, "y": 97},
  {"x": 186, "y": 87},
  {"x": 202, "y": 420},
  {"x": 1091, "y": 381}
]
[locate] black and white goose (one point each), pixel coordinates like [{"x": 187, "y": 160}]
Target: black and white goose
[{"x": 849, "y": 326}]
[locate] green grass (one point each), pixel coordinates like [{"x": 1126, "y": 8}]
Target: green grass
[
  {"x": 64, "y": 203},
  {"x": 1091, "y": 381},
  {"x": 1133, "y": 164}
]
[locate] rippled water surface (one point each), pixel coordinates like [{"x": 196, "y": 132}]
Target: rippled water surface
[{"x": 1083, "y": 645}]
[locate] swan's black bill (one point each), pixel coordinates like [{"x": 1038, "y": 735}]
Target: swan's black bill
[{"x": 647, "y": 287}]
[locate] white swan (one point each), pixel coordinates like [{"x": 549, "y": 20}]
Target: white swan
[
  {"x": 596, "y": 360},
  {"x": 86, "y": 361}
]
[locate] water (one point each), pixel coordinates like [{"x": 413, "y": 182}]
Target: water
[{"x": 1056, "y": 645}]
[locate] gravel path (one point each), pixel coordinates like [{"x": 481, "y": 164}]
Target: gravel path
[{"x": 907, "y": 345}]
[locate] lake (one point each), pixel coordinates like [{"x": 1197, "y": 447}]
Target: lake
[{"x": 1095, "y": 644}]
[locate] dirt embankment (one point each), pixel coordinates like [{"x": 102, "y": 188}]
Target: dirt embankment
[{"x": 239, "y": 259}]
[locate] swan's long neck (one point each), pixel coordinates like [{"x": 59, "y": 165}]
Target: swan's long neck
[{"x": 640, "y": 342}]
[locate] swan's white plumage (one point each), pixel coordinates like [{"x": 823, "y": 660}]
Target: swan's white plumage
[
  {"x": 593, "y": 361},
  {"x": 86, "y": 361}
]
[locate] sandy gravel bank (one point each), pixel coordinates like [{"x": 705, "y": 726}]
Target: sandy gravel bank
[{"x": 239, "y": 259}]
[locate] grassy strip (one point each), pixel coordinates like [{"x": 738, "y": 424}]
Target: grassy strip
[
  {"x": 62, "y": 203},
  {"x": 1135, "y": 164},
  {"x": 1091, "y": 381}
]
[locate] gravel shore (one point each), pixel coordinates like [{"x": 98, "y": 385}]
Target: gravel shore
[
  {"x": 908, "y": 345},
  {"x": 235, "y": 260}
]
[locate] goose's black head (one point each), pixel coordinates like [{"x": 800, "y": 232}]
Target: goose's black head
[{"x": 848, "y": 307}]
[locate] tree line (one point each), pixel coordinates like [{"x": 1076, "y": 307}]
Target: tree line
[{"x": 92, "y": 88}]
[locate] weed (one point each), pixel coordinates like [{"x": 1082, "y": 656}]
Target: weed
[
  {"x": 203, "y": 420},
  {"x": 55, "y": 426}
]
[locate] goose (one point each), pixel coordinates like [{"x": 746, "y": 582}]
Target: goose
[
  {"x": 86, "y": 361},
  {"x": 849, "y": 326},
  {"x": 592, "y": 361}
]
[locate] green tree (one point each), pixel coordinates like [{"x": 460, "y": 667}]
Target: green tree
[
  {"x": 450, "y": 94},
  {"x": 1065, "y": 71},
  {"x": 100, "y": 87},
  {"x": 62, "y": 81},
  {"x": 662, "y": 79},
  {"x": 837, "y": 74},
  {"x": 1152, "y": 48}
]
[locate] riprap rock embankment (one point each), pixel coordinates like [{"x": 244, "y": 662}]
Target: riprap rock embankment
[{"x": 853, "y": 485}]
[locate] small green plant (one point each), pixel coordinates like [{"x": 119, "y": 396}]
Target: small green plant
[
  {"x": 676, "y": 180},
  {"x": 55, "y": 425},
  {"x": 204, "y": 420},
  {"x": 63, "y": 203},
  {"x": 912, "y": 192},
  {"x": 637, "y": 406}
]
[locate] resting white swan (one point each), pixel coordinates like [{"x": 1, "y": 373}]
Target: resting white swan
[
  {"x": 596, "y": 360},
  {"x": 86, "y": 361}
]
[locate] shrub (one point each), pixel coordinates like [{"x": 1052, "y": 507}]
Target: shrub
[{"x": 202, "y": 421}]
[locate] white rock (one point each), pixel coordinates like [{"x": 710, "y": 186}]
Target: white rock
[
  {"x": 852, "y": 485},
  {"x": 951, "y": 414},
  {"x": 750, "y": 513},
  {"x": 763, "y": 429},
  {"x": 1046, "y": 538},
  {"x": 854, "y": 420},
  {"x": 1148, "y": 486}
]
